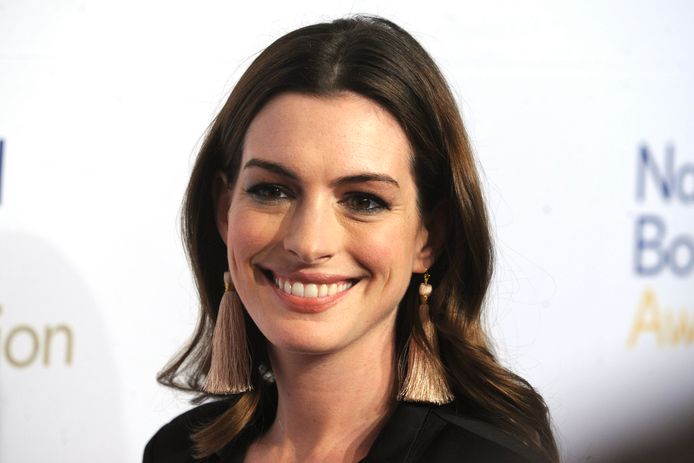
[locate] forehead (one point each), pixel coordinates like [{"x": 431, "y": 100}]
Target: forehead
[{"x": 340, "y": 134}]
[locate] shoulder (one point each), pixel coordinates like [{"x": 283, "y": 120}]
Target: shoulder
[
  {"x": 464, "y": 438},
  {"x": 419, "y": 432},
  {"x": 172, "y": 443}
]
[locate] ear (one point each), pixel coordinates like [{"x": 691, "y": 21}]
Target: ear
[
  {"x": 430, "y": 239},
  {"x": 221, "y": 195}
]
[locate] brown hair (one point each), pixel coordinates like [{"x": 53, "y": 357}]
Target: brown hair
[{"x": 375, "y": 58}]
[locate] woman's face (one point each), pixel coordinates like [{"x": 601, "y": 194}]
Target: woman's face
[{"x": 321, "y": 226}]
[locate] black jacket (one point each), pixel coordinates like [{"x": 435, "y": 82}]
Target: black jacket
[{"x": 414, "y": 433}]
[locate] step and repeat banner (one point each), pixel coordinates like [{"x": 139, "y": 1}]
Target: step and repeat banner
[{"x": 582, "y": 118}]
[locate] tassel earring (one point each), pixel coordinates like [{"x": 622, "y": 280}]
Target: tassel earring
[
  {"x": 425, "y": 380},
  {"x": 230, "y": 369}
]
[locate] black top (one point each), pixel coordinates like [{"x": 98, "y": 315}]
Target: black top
[{"x": 414, "y": 433}]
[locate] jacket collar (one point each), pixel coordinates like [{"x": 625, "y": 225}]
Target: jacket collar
[{"x": 406, "y": 434}]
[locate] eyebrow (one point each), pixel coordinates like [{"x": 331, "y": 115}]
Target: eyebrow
[{"x": 278, "y": 169}]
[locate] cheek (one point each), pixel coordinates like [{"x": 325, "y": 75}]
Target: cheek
[
  {"x": 248, "y": 234},
  {"x": 387, "y": 251}
]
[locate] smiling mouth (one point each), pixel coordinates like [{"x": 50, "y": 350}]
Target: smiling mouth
[{"x": 308, "y": 290}]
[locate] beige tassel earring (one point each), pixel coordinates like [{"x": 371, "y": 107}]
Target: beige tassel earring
[
  {"x": 230, "y": 369},
  {"x": 425, "y": 380}
]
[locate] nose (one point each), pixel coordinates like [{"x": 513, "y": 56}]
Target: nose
[{"x": 312, "y": 233}]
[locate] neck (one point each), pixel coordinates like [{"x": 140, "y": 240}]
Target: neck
[{"x": 333, "y": 405}]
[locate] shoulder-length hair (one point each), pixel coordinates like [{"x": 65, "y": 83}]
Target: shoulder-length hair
[{"x": 375, "y": 58}]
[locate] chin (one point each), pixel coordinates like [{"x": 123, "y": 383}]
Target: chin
[{"x": 301, "y": 343}]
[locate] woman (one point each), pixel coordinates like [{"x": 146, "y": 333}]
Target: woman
[{"x": 337, "y": 193}]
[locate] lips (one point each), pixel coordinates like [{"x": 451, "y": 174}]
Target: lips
[{"x": 310, "y": 290}]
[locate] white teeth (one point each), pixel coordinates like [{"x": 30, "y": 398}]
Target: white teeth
[
  {"x": 298, "y": 289},
  {"x": 310, "y": 289}
]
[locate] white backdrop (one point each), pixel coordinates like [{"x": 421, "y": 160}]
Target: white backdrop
[{"x": 570, "y": 108}]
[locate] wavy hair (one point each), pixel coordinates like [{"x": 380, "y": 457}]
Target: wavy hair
[{"x": 375, "y": 58}]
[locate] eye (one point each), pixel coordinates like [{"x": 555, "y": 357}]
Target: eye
[
  {"x": 365, "y": 203},
  {"x": 269, "y": 192}
]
